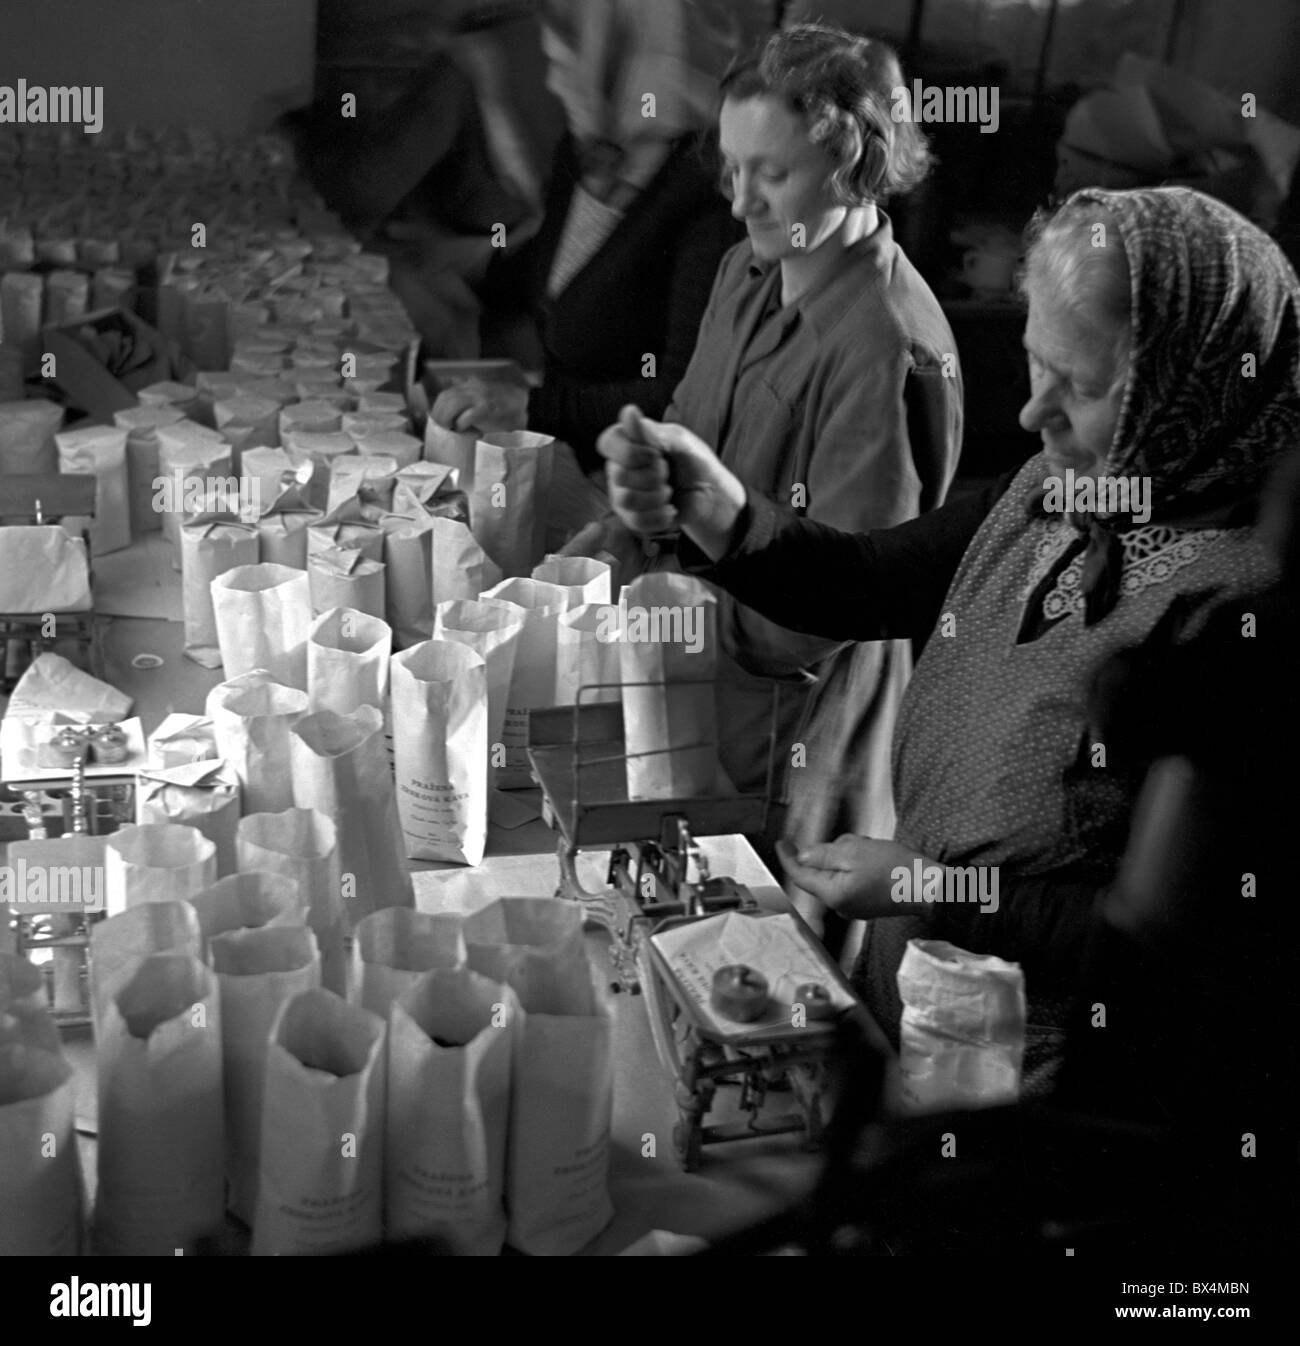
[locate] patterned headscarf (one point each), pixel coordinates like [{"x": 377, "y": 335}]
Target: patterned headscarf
[{"x": 1213, "y": 394}]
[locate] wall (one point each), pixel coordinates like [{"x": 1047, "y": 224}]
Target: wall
[{"x": 232, "y": 65}]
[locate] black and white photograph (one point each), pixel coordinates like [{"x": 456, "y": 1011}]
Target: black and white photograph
[{"x": 648, "y": 628}]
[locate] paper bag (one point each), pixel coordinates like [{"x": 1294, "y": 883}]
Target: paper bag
[
  {"x": 262, "y": 614},
  {"x": 161, "y": 1147},
  {"x": 347, "y": 661},
  {"x": 99, "y": 451},
  {"x": 493, "y": 630},
  {"x": 562, "y": 1084},
  {"x": 142, "y": 424},
  {"x": 353, "y": 525},
  {"x": 320, "y": 1182},
  {"x": 395, "y": 444},
  {"x": 253, "y": 899},
  {"x": 302, "y": 845},
  {"x": 204, "y": 795},
  {"x": 53, "y": 683},
  {"x": 509, "y": 497},
  {"x": 313, "y": 418},
  {"x": 258, "y": 972},
  {"x": 408, "y": 578},
  {"x": 156, "y": 862},
  {"x": 532, "y": 680},
  {"x": 587, "y": 656},
  {"x": 21, "y": 294},
  {"x": 260, "y": 415},
  {"x": 583, "y": 579},
  {"x": 67, "y": 296},
  {"x": 282, "y": 528},
  {"x": 211, "y": 545},
  {"x": 358, "y": 424},
  {"x": 461, "y": 568},
  {"x": 41, "y": 1194},
  {"x": 251, "y": 718},
  {"x": 168, "y": 393},
  {"x": 450, "y": 1039},
  {"x": 668, "y": 639},
  {"x": 121, "y": 943},
  {"x": 21, "y": 983},
  {"x": 962, "y": 1034},
  {"x": 452, "y": 450},
  {"x": 340, "y": 768},
  {"x": 393, "y": 949},
  {"x": 341, "y": 577},
  {"x": 265, "y": 474},
  {"x": 429, "y": 489},
  {"x": 181, "y": 739},
  {"x": 187, "y": 453},
  {"x": 371, "y": 479},
  {"x": 27, "y": 436},
  {"x": 440, "y": 700},
  {"x": 42, "y": 569}
]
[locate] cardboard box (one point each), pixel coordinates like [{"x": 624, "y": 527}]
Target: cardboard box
[{"x": 104, "y": 358}]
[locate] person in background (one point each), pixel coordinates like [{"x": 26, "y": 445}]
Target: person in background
[
  {"x": 826, "y": 375},
  {"x": 606, "y": 298},
  {"x": 1136, "y": 359}
]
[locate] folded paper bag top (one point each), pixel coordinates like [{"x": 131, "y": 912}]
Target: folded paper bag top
[
  {"x": 250, "y": 900},
  {"x": 52, "y": 682}
]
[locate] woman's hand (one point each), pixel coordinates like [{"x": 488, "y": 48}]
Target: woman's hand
[
  {"x": 485, "y": 407},
  {"x": 663, "y": 477},
  {"x": 856, "y": 876}
]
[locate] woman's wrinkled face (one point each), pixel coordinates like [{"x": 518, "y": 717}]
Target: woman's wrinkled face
[
  {"x": 1077, "y": 375},
  {"x": 779, "y": 181}
]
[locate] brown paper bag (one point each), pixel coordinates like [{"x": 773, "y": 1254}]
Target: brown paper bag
[
  {"x": 532, "y": 679},
  {"x": 99, "y": 451},
  {"x": 42, "y": 569},
  {"x": 261, "y": 415},
  {"x": 253, "y": 899},
  {"x": 121, "y": 943},
  {"x": 670, "y": 725},
  {"x": 450, "y": 1040},
  {"x": 583, "y": 579},
  {"x": 320, "y": 1182},
  {"x": 408, "y": 578},
  {"x": 27, "y": 436},
  {"x": 302, "y": 845},
  {"x": 340, "y": 768},
  {"x": 370, "y": 479},
  {"x": 347, "y": 661},
  {"x": 395, "y": 444},
  {"x": 509, "y": 498},
  {"x": 142, "y": 424},
  {"x": 440, "y": 700},
  {"x": 156, "y": 862},
  {"x": 315, "y": 418},
  {"x": 493, "y": 630},
  {"x": 41, "y": 1195},
  {"x": 211, "y": 545},
  {"x": 451, "y": 450},
  {"x": 181, "y": 739},
  {"x": 161, "y": 1147},
  {"x": 341, "y": 577},
  {"x": 393, "y": 949},
  {"x": 353, "y": 525},
  {"x": 282, "y": 528},
  {"x": 429, "y": 489},
  {"x": 461, "y": 568},
  {"x": 251, "y": 718},
  {"x": 586, "y": 657},
  {"x": 562, "y": 1079},
  {"x": 186, "y": 453},
  {"x": 204, "y": 795},
  {"x": 258, "y": 972},
  {"x": 263, "y": 613}
]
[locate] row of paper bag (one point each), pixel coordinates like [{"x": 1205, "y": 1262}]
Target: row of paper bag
[{"x": 462, "y": 1094}]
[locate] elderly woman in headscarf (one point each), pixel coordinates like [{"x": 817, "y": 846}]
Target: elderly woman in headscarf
[
  {"x": 614, "y": 284},
  {"x": 1163, "y": 340}
]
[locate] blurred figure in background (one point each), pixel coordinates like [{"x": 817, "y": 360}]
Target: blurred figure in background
[
  {"x": 606, "y": 299},
  {"x": 450, "y": 136}
]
